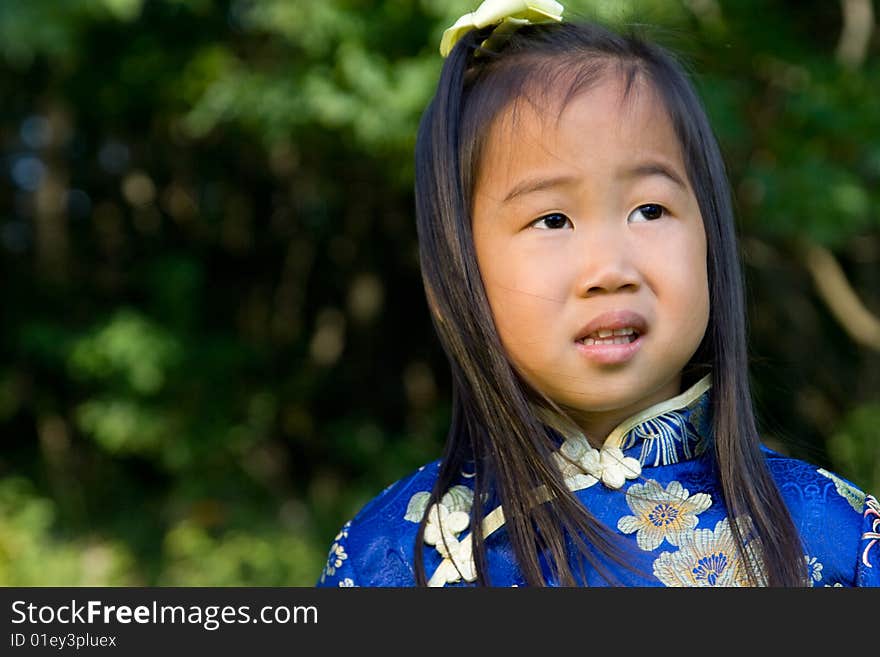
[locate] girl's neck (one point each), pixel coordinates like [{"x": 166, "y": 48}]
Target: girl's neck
[{"x": 596, "y": 425}]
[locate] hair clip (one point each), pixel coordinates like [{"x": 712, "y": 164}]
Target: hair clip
[{"x": 507, "y": 15}]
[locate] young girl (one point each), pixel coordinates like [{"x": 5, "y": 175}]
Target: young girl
[{"x": 579, "y": 257}]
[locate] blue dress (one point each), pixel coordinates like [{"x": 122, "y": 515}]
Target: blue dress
[{"x": 653, "y": 482}]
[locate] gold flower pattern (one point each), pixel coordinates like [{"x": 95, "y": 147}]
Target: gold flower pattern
[
  {"x": 708, "y": 558},
  {"x": 669, "y": 513}
]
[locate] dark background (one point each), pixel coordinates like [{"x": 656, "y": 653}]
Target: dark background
[{"x": 215, "y": 345}]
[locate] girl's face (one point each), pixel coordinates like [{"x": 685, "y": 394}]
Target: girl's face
[{"x": 585, "y": 222}]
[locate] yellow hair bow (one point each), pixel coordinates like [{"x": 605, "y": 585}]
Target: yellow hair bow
[{"x": 509, "y": 15}]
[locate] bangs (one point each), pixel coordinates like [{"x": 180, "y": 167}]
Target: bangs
[{"x": 545, "y": 84}]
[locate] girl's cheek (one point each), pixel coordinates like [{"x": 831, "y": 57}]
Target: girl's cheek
[
  {"x": 527, "y": 277},
  {"x": 685, "y": 256},
  {"x": 525, "y": 299}
]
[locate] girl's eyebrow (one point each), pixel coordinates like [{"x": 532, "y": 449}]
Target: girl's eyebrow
[
  {"x": 652, "y": 168},
  {"x": 537, "y": 184},
  {"x": 640, "y": 170}
]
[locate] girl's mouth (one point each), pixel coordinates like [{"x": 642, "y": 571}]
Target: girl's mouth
[
  {"x": 610, "y": 350},
  {"x": 626, "y": 335}
]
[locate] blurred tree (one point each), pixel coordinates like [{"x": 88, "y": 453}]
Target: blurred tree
[{"x": 216, "y": 347}]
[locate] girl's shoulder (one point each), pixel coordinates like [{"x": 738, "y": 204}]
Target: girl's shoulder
[
  {"x": 809, "y": 483},
  {"x": 837, "y": 520},
  {"x": 384, "y": 508},
  {"x": 375, "y": 547}
]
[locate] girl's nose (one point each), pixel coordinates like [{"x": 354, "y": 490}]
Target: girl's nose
[{"x": 608, "y": 266}]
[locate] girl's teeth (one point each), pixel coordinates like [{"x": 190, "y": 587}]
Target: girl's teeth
[
  {"x": 607, "y": 333},
  {"x": 616, "y": 340}
]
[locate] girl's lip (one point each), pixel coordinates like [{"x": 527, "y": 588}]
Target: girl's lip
[
  {"x": 615, "y": 319},
  {"x": 610, "y": 354}
]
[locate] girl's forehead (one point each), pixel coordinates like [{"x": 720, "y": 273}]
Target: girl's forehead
[
  {"x": 610, "y": 100},
  {"x": 610, "y": 115}
]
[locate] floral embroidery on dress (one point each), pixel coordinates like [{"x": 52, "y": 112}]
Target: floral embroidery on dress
[
  {"x": 446, "y": 520},
  {"x": 814, "y": 569},
  {"x": 873, "y": 534},
  {"x": 708, "y": 558},
  {"x": 335, "y": 559},
  {"x": 582, "y": 465},
  {"x": 847, "y": 491},
  {"x": 662, "y": 514},
  {"x": 337, "y": 555},
  {"x": 347, "y": 582}
]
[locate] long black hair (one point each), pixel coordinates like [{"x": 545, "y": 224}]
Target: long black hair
[{"x": 493, "y": 420}]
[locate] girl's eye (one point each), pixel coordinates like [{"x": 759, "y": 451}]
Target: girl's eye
[
  {"x": 553, "y": 221},
  {"x": 648, "y": 212}
]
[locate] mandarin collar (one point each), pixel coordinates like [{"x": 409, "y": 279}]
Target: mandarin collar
[
  {"x": 676, "y": 430},
  {"x": 671, "y": 431}
]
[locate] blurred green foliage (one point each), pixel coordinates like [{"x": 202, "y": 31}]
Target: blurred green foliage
[{"x": 215, "y": 342}]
